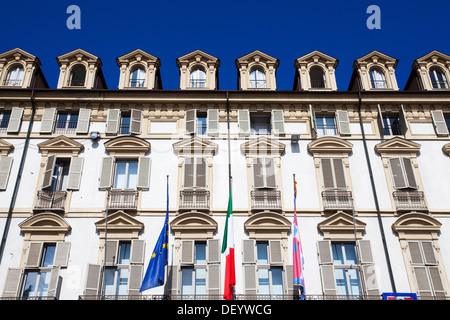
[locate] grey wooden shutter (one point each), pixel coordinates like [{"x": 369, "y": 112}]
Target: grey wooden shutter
[
  {"x": 440, "y": 126},
  {"x": 48, "y": 120},
  {"x": 200, "y": 172},
  {"x": 409, "y": 173},
  {"x": 75, "y": 170},
  {"x": 136, "y": 121},
  {"x": 135, "y": 279},
  {"x": 368, "y": 267},
  {"x": 113, "y": 121},
  {"x": 402, "y": 119},
  {"x": 436, "y": 281},
  {"x": 289, "y": 279},
  {"x": 275, "y": 252},
  {"x": 111, "y": 252},
  {"x": 172, "y": 279},
  {"x": 380, "y": 120},
  {"x": 15, "y": 120},
  {"x": 94, "y": 272},
  {"x": 188, "y": 173},
  {"x": 137, "y": 251},
  {"x": 244, "y": 122},
  {"x": 48, "y": 171},
  {"x": 250, "y": 279},
  {"x": 312, "y": 114},
  {"x": 106, "y": 173},
  {"x": 278, "y": 122},
  {"x": 213, "y": 275},
  {"x": 144, "y": 172},
  {"x": 54, "y": 281},
  {"x": 339, "y": 174},
  {"x": 326, "y": 267},
  {"x": 343, "y": 122},
  {"x": 422, "y": 281},
  {"x": 213, "y": 122},
  {"x": 62, "y": 254},
  {"x": 84, "y": 119},
  {"x": 213, "y": 251},
  {"x": 190, "y": 121},
  {"x": 12, "y": 283},
  {"x": 258, "y": 173},
  {"x": 248, "y": 251},
  {"x": 327, "y": 174},
  {"x": 34, "y": 254},
  {"x": 397, "y": 173},
  {"x": 269, "y": 173},
  {"x": 187, "y": 252},
  {"x": 5, "y": 169},
  {"x": 428, "y": 252}
]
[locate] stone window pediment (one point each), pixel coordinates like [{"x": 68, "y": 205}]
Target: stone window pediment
[
  {"x": 416, "y": 225},
  {"x": 195, "y": 146},
  {"x": 46, "y": 225},
  {"x": 194, "y": 225},
  {"x": 127, "y": 145},
  {"x": 330, "y": 145},
  {"x": 424, "y": 65},
  {"x": 267, "y": 225},
  {"x": 59, "y": 145},
  {"x": 340, "y": 226},
  {"x": 263, "y": 145},
  {"x": 5, "y": 147},
  {"x": 120, "y": 226},
  {"x": 398, "y": 145}
]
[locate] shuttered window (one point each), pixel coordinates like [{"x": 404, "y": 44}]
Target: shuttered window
[
  {"x": 402, "y": 171},
  {"x": 213, "y": 122},
  {"x": 136, "y": 121},
  {"x": 48, "y": 120},
  {"x": 333, "y": 174},
  {"x": 62, "y": 174},
  {"x": 128, "y": 174},
  {"x": 113, "y": 121},
  {"x": 440, "y": 125},
  {"x": 343, "y": 122},
  {"x": 15, "y": 120},
  {"x": 277, "y": 120},
  {"x": 84, "y": 119},
  {"x": 5, "y": 169},
  {"x": 195, "y": 173},
  {"x": 190, "y": 121},
  {"x": 244, "y": 122},
  {"x": 264, "y": 173}
]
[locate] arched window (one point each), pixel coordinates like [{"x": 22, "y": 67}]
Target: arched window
[
  {"x": 317, "y": 77},
  {"x": 377, "y": 79},
  {"x": 198, "y": 78},
  {"x": 77, "y": 76},
  {"x": 15, "y": 76},
  {"x": 137, "y": 77},
  {"x": 257, "y": 78},
  {"x": 438, "y": 79}
]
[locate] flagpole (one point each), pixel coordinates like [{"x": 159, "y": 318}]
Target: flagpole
[
  {"x": 106, "y": 240},
  {"x": 230, "y": 178},
  {"x": 166, "y": 267},
  {"x": 297, "y": 291}
]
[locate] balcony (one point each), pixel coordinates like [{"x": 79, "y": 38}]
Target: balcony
[
  {"x": 337, "y": 200},
  {"x": 194, "y": 200},
  {"x": 409, "y": 200},
  {"x": 266, "y": 200},
  {"x": 123, "y": 199},
  {"x": 50, "y": 201}
]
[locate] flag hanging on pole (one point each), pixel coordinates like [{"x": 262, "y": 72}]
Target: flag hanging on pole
[
  {"x": 155, "y": 274},
  {"x": 228, "y": 250},
  {"x": 299, "y": 282}
]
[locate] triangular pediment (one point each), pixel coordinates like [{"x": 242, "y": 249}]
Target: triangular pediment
[
  {"x": 5, "y": 147},
  {"x": 18, "y": 54},
  {"x": 137, "y": 55},
  {"x": 120, "y": 224},
  {"x": 79, "y": 55},
  {"x": 376, "y": 57},
  {"x": 127, "y": 144},
  {"x": 60, "y": 144},
  {"x": 316, "y": 57},
  {"x": 193, "y": 224},
  {"x": 434, "y": 56},
  {"x": 397, "y": 145},
  {"x": 197, "y": 56},
  {"x": 257, "y": 56},
  {"x": 195, "y": 145},
  {"x": 328, "y": 144},
  {"x": 263, "y": 145},
  {"x": 340, "y": 226}
]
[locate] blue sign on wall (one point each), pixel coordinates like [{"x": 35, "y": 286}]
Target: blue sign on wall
[{"x": 399, "y": 296}]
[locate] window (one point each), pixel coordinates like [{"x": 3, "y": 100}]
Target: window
[
  {"x": 126, "y": 174},
  {"x": 345, "y": 268},
  {"x": 198, "y": 78},
  {"x": 393, "y": 123},
  {"x": 137, "y": 78},
  {"x": 60, "y": 175},
  {"x": 77, "y": 76},
  {"x": 438, "y": 80},
  {"x": 392, "y": 126},
  {"x": 402, "y": 170},
  {"x": 270, "y": 278},
  {"x": 261, "y": 123},
  {"x": 194, "y": 172},
  {"x": 4, "y": 121},
  {"x": 264, "y": 173},
  {"x": 202, "y": 121},
  {"x": 257, "y": 78},
  {"x": 193, "y": 279},
  {"x": 317, "y": 77},
  {"x": 124, "y": 122},
  {"x": 66, "y": 123},
  {"x": 326, "y": 125},
  {"x": 15, "y": 76},
  {"x": 116, "y": 279},
  {"x": 377, "y": 80}
]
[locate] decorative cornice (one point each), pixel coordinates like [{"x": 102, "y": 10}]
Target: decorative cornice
[
  {"x": 267, "y": 225},
  {"x": 263, "y": 145},
  {"x": 195, "y": 145},
  {"x": 397, "y": 145},
  {"x": 328, "y": 144},
  {"x": 60, "y": 144},
  {"x": 340, "y": 226},
  {"x": 127, "y": 144}
]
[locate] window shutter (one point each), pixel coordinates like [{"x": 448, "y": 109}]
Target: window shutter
[
  {"x": 312, "y": 114},
  {"x": 343, "y": 122},
  {"x": 409, "y": 171},
  {"x": 112, "y": 121},
  {"x": 48, "y": 120},
  {"x": 5, "y": 169},
  {"x": 278, "y": 122},
  {"x": 339, "y": 175},
  {"x": 428, "y": 252},
  {"x": 135, "y": 279},
  {"x": 136, "y": 121},
  {"x": 269, "y": 173},
  {"x": 326, "y": 267},
  {"x": 366, "y": 259},
  {"x": 327, "y": 174},
  {"x": 75, "y": 169},
  {"x": 324, "y": 250},
  {"x": 144, "y": 172},
  {"x": 187, "y": 252},
  {"x": 190, "y": 121},
  {"x": 415, "y": 253},
  {"x": 250, "y": 279},
  {"x": 34, "y": 254},
  {"x": 422, "y": 282},
  {"x": 106, "y": 175},
  {"x": 380, "y": 120},
  {"x": 213, "y": 251},
  {"x": 54, "y": 280},
  {"x": 111, "y": 252},
  {"x": 275, "y": 252},
  {"x": 213, "y": 275},
  {"x": 248, "y": 251},
  {"x": 93, "y": 279},
  {"x": 15, "y": 120},
  {"x": 244, "y": 122},
  {"x": 172, "y": 279},
  {"x": 436, "y": 281},
  {"x": 48, "y": 171},
  {"x": 213, "y": 122},
  {"x": 137, "y": 251},
  {"x": 200, "y": 172},
  {"x": 397, "y": 173},
  {"x": 188, "y": 173},
  {"x": 258, "y": 173},
  {"x": 402, "y": 119},
  {"x": 84, "y": 118},
  {"x": 62, "y": 254},
  {"x": 439, "y": 123},
  {"x": 13, "y": 280},
  {"x": 289, "y": 279}
]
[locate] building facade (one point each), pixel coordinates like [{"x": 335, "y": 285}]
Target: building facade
[{"x": 83, "y": 173}]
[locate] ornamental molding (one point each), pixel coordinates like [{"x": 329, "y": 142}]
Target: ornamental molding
[{"x": 340, "y": 226}]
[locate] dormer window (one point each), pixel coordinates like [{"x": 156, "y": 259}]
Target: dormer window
[
  {"x": 198, "y": 78},
  {"x": 257, "y": 70},
  {"x": 137, "y": 77},
  {"x": 377, "y": 79},
  {"x": 438, "y": 80},
  {"x": 198, "y": 70},
  {"x": 15, "y": 76},
  {"x": 317, "y": 77},
  {"x": 257, "y": 78},
  {"x": 77, "y": 76}
]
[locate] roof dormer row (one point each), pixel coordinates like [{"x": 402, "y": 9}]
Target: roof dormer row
[{"x": 199, "y": 70}]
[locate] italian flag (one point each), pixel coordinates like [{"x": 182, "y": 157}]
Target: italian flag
[{"x": 228, "y": 250}]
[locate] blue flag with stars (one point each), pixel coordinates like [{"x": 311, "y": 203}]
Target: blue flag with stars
[{"x": 154, "y": 276}]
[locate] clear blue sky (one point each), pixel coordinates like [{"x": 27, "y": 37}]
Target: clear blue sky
[{"x": 227, "y": 30}]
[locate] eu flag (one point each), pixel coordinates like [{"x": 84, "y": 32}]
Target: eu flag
[{"x": 154, "y": 276}]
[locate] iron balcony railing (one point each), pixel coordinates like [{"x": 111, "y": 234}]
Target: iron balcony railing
[
  {"x": 261, "y": 129},
  {"x": 50, "y": 200},
  {"x": 123, "y": 199},
  {"x": 254, "y": 84},
  {"x": 266, "y": 199},
  {"x": 337, "y": 199},
  {"x": 378, "y": 84},
  {"x": 13, "y": 82},
  {"x": 317, "y": 83},
  {"x": 137, "y": 83},
  {"x": 198, "y": 83},
  {"x": 66, "y": 126},
  {"x": 194, "y": 199},
  {"x": 409, "y": 200}
]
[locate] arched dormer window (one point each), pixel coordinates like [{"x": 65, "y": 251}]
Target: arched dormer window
[
  {"x": 317, "y": 77},
  {"x": 257, "y": 78},
  {"x": 438, "y": 80},
  {"x": 77, "y": 76},
  {"x": 137, "y": 77},
  {"x": 15, "y": 76},
  {"x": 198, "y": 78},
  {"x": 377, "y": 79}
]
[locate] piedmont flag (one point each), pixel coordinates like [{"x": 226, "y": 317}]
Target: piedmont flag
[
  {"x": 154, "y": 276},
  {"x": 228, "y": 250},
  {"x": 299, "y": 282}
]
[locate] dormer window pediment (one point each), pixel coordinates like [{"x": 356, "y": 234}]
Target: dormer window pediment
[
  {"x": 198, "y": 70},
  {"x": 257, "y": 71},
  {"x": 430, "y": 72},
  {"x": 315, "y": 71}
]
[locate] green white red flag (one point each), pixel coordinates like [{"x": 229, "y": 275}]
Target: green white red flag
[{"x": 228, "y": 251}]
